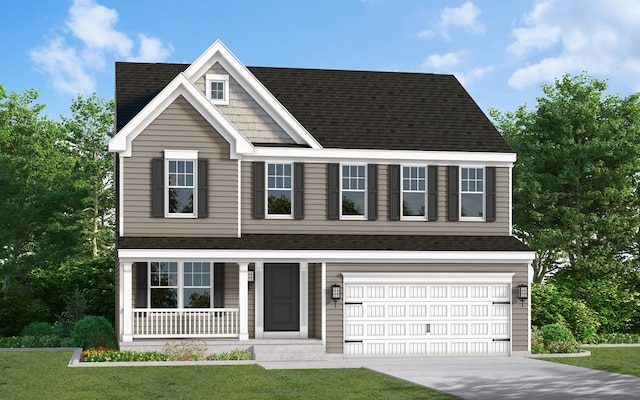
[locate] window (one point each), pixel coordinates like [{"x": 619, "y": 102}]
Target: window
[
  {"x": 164, "y": 284},
  {"x": 472, "y": 193},
  {"x": 217, "y": 88},
  {"x": 279, "y": 189},
  {"x": 181, "y": 186},
  {"x": 353, "y": 190},
  {"x": 193, "y": 290},
  {"x": 414, "y": 193}
]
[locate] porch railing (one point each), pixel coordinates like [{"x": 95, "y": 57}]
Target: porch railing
[{"x": 185, "y": 323}]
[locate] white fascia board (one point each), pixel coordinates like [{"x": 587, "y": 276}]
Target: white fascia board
[
  {"x": 219, "y": 53},
  {"x": 382, "y": 156},
  {"x": 425, "y": 277},
  {"x": 446, "y": 257},
  {"x": 180, "y": 85}
]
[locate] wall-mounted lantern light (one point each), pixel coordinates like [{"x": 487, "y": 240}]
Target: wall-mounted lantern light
[
  {"x": 522, "y": 292},
  {"x": 251, "y": 276},
  {"x": 336, "y": 293}
]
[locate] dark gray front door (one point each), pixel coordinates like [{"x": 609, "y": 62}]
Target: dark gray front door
[{"x": 281, "y": 297}]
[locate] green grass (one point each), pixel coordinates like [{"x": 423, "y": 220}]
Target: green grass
[
  {"x": 38, "y": 375},
  {"x": 622, "y": 360}
]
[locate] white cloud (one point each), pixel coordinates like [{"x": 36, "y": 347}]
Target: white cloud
[
  {"x": 465, "y": 17},
  {"x": 560, "y": 36},
  {"x": 72, "y": 60},
  {"x": 440, "y": 62},
  {"x": 467, "y": 78}
]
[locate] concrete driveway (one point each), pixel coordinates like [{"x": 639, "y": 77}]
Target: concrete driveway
[{"x": 494, "y": 378}]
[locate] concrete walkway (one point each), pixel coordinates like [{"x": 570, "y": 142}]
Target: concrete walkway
[{"x": 493, "y": 378}]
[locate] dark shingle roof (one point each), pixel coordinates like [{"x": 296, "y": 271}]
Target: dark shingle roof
[
  {"x": 330, "y": 242},
  {"x": 349, "y": 109}
]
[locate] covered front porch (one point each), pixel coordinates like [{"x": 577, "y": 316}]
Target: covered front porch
[{"x": 189, "y": 296}]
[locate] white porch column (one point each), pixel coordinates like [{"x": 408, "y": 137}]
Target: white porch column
[
  {"x": 126, "y": 301},
  {"x": 304, "y": 300},
  {"x": 323, "y": 301},
  {"x": 259, "y": 300},
  {"x": 243, "y": 292}
]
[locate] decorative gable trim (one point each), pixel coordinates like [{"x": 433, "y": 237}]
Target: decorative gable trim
[
  {"x": 219, "y": 53},
  {"x": 179, "y": 86}
]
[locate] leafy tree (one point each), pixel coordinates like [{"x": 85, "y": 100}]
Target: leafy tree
[
  {"x": 89, "y": 130},
  {"x": 575, "y": 183},
  {"x": 39, "y": 200}
]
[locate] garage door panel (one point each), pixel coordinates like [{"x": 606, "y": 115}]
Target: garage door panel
[{"x": 427, "y": 319}]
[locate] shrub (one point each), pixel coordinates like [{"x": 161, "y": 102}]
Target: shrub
[
  {"x": 33, "y": 341},
  {"x": 107, "y": 355},
  {"x": 185, "y": 351},
  {"x": 235, "y": 355},
  {"x": 617, "y": 338},
  {"x": 93, "y": 332},
  {"x": 537, "y": 341},
  {"x": 550, "y": 306},
  {"x": 558, "y": 338},
  {"x": 38, "y": 329}
]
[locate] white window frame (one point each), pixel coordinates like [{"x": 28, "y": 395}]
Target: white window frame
[
  {"x": 180, "y": 286},
  {"x": 366, "y": 178},
  {"x": 267, "y": 188},
  {"x": 181, "y": 155},
  {"x": 484, "y": 193},
  {"x": 402, "y": 191},
  {"x": 224, "y": 79}
]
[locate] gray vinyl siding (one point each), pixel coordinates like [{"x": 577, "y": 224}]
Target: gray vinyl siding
[
  {"x": 180, "y": 127},
  {"x": 520, "y": 323},
  {"x": 315, "y": 218},
  {"x": 231, "y": 288},
  {"x": 246, "y": 114},
  {"x": 317, "y": 272}
]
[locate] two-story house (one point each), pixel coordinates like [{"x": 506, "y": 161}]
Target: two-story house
[{"x": 366, "y": 212}]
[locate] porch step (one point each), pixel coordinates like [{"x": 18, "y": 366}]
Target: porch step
[{"x": 289, "y": 351}]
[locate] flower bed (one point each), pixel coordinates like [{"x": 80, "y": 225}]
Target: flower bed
[{"x": 181, "y": 351}]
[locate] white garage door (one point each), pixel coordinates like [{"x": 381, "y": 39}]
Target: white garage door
[{"x": 427, "y": 314}]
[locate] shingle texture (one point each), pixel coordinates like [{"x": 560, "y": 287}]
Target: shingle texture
[
  {"x": 331, "y": 242},
  {"x": 349, "y": 109}
]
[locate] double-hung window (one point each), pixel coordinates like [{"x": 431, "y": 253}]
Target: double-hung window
[
  {"x": 180, "y": 284},
  {"x": 279, "y": 190},
  {"x": 217, "y": 88},
  {"x": 181, "y": 183},
  {"x": 414, "y": 192},
  {"x": 353, "y": 190},
  {"x": 472, "y": 188}
]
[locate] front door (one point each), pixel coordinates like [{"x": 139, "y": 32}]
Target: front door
[{"x": 281, "y": 297}]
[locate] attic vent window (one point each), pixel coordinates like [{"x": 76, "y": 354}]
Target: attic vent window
[{"x": 217, "y": 88}]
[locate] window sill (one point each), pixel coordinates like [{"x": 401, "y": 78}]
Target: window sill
[{"x": 472, "y": 219}]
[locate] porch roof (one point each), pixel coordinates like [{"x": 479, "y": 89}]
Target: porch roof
[{"x": 285, "y": 242}]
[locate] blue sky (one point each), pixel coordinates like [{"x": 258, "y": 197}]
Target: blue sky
[{"x": 501, "y": 50}]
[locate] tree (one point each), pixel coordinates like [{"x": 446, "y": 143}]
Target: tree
[
  {"x": 89, "y": 130},
  {"x": 575, "y": 183},
  {"x": 39, "y": 200}
]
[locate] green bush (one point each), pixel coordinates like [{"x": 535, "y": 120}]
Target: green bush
[
  {"x": 558, "y": 338},
  {"x": 104, "y": 355},
  {"x": 537, "y": 341},
  {"x": 550, "y": 306},
  {"x": 38, "y": 329},
  {"x": 19, "y": 342},
  {"x": 93, "y": 332},
  {"x": 235, "y": 355},
  {"x": 617, "y": 338}
]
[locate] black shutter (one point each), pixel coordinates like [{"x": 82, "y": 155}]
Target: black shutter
[
  {"x": 298, "y": 190},
  {"x": 454, "y": 206},
  {"x": 394, "y": 193},
  {"x": 141, "y": 284},
  {"x": 258, "y": 190},
  {"x": 333, "y": 209},
  {"x": 157, "y": 187},
  {"x": 432, "y": 195},
  {"x": 372, "y": 192},
  {"x": 491, "y": 194},
  {"x": 203, "y": 188},
  {"x": 218, "y": 285}
]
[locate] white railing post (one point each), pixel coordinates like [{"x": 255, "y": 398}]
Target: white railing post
[
  {"x": 126, "y": 290},
  {"x": 243, "y": 292}
]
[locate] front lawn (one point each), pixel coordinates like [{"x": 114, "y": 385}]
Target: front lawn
[
  {"x": 622, "y": 360},
  {"x": 36, "y": 375}
]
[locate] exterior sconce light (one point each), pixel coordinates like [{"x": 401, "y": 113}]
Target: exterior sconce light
[
  {"x": 336, "y": 293},
  {"x": 251, "y": 276},
  {"x": 522, "y": 292}
]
